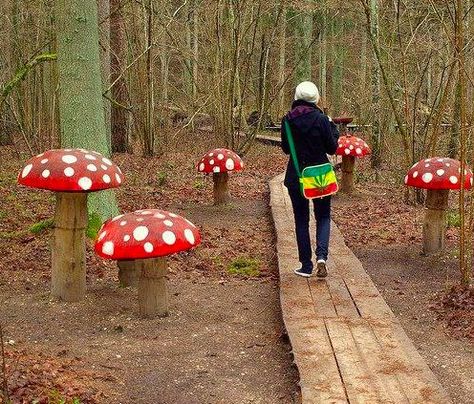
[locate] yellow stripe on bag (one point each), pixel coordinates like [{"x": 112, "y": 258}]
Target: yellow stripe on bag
[{"x": 320, "y": 181}]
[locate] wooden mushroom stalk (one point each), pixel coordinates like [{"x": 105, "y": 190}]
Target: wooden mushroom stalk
[
  {"x": 147, "y": 236},
  {"x": 350, "y": 147},
  {"x": 438, "y": 176},
  {"x": 72, "y": 174},
  {"x": 220, "y": 162}
]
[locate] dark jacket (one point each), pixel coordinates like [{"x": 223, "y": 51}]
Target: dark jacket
[{"x": 314, "y": 136}]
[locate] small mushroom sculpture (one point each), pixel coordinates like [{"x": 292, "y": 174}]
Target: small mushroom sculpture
[
  {"x": 437, "y": 175},
  {"x": 350, "y": 147},
  {"x": 72, "y": 174},
  {"x": 147, "y": 236},
  {"x": 220, "y": 162}
]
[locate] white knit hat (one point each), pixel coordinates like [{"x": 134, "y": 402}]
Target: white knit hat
[{"x": 307, "y": 91}]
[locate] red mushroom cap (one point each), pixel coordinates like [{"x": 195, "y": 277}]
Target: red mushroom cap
[
  {"x": 342, "y": 120},
  {"x": 146, "y": 234},
  {"x": 220, "y": 161},
  {"x": 349, "y": 145},
  {"x": 438, "y": 173},
  {"x": 70, "y": 170}
]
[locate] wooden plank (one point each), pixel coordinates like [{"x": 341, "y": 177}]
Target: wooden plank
[
  {"x": 376, "y": 359},
  {"x": 358, "y": 381},
  {"x": 319, "y": 373},
  {"x": 341, "y": 298},
  {"x": 416, "y": 378},
  {"x": 322, "y": 300}
]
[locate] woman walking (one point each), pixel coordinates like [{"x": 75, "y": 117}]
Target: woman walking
[{"x": 315, "y": 136}]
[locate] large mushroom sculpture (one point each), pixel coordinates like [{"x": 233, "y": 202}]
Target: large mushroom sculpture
[
  {"x": 437, "y": 175},
  {"x": 147, "y": 236},
  {"x": 219, "y": 162},
  {"x": 350, "y": 147},
  {"x": 72, "y": 174}
]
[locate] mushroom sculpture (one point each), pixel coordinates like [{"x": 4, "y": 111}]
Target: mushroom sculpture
[
  {"x": 220, "y": 162},
  {"x": 72, "y": 174},
  {"x": 147, "y": 236},
  {"x": 350, "y": 147},
  {"x": 436, "y": 175}
]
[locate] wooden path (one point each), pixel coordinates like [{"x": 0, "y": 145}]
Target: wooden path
[{"x": 347, "y": 344}]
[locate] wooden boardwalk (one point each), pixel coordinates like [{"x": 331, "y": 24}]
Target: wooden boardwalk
[{"x": 347, "y": 343}]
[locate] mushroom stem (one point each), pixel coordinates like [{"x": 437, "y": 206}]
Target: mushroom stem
[
  {"x": 152, "y": 290},
  {"x": 129, "y": 273},
  {"x": 347, "y": 178},
  {"x": 221, "y": 190},
  {"x": 68, "y": 278},
  {"x": 434, "y": 225}
]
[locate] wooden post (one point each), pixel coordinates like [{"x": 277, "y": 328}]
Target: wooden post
[
  {"x": 434, "y": 225},
  {"x": 221, "y": 189},
  {"x": 347, "y": 178},
  {"x": 129, "y": 272},
  {"x": 152, "y": 290},
  {"x": 68, "y": 278}
]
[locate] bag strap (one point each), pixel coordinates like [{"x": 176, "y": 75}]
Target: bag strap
[{"x": 292, "y": 148}]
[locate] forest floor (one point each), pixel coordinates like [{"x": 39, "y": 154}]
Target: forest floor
[{"x": 224, "y": 340}]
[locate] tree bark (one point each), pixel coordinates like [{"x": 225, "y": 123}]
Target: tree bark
[
  {"x": 129, "y": 272},
  {"x": 434, "y": 225},
  {"x": 80, "y": 100},
  {"x": 347, "y": 178},
  {"x": 68, "y": 279},
  {"x": 221, "y": 188},
  {"x": 119, "y": 120},
  {"x": 304, "y": 31},
  {"x": 152, "y": 289}
]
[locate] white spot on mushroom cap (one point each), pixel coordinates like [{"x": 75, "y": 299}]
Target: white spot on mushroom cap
[
  {"x": 159, "y": 216},
  {"x": 453, "y": 179},
  {"x": 201, "y": 167},
  {"x": 220, "y": 156},
  {"x": 104, "y": 167},
  {"x": 359, "y": 150},
  {"x": 351, "y": 147},
  {"x": 108, "y": 248},
  {"x": 415, "y": 174},
  {"x": 106, "y": 161},
  {"x": 118, "y": 178},
  {"x": 45, "y": 173},
  {"x": 123, "y": 223},
  {"x": 211, "y": 162},
  {"x": 440, "y": 172},
  {"x": 173, "y": 215},
  {"x": 90, "y": 157},
  {"x": 69, "y": 171},
  {"x": 216, "y": 169},
  {"x": 92, "y": 167},
  {"x": 427, "y": 177},
  {"x": 44, "y": 161},
  {"x": 347, "y": 151},
  {"x": 101, "y": 236},
  {"x": 211, "y": 154},
  {"x": 26, "y": 170},
  {"x": 229, "y": 164},
  {"x": 169, "y": 237},
  {"x": 406, "y": 179},
  {"x": 148, "y": 247},
  {"x": 106, "y": 178},
  {"x": 140, "y": 233},
  {"x": 189, "y": 236},
  {"x": 126, "y": 237},
  {"x": 140, "y": 219},
  {"x": 168, "y": 223},
  {"x": 117, "y": 218},
  {"x": 69, "y": 159},
  {"x": 85, "y": 183},
  {"x": 145, "y": 212}
]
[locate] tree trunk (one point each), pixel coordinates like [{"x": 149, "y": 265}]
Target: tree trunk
[
  {"x": 347, "y": 178},
  {"x": 323, "y": 54},
  {"x": 221, "y": 189},
  {"x": 152, "y": 289},
  {"x": 80, "y": 99},
  {"x": 119, "y": 121},
  {"x": 376, "y": 134},
  {"x": 282, "y": 107},
  {"x": 304, "y": 31},
  {"x": 68, "y": 279},
  {"x": 129, "y": 272},
  {"x": 434, "y": 225}
]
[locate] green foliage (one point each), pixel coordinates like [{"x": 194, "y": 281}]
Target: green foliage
[
  {"x": 41, "y": 226},
  {"x": 199, "y": 184},
  {"x": 55, "y": 397},
  {"x": 93, "y": 225},
  {"x": 161, "y": 178},
  {"x": 453, "y": 219},
  {"x": 245, "y": 267}
]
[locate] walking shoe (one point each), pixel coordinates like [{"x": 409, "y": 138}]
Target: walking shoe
[
  {"x": 306, "y": 273},
  {"x": 322, "y": 269}
]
